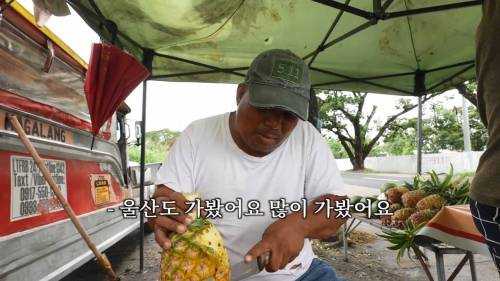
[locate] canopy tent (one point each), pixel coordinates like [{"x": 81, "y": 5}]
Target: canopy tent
[{"x": 403, "y": 47}]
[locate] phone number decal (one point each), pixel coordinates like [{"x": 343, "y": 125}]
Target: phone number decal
[{"x": 31, "y": 195}]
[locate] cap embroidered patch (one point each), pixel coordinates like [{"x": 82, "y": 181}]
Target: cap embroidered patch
[{"x": 287, "y": 70}]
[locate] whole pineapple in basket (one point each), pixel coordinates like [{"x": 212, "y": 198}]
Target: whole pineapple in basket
[
  {"x": 433, "y": 201},
  {"x": 400, "y": 216},
  {"x": 411, "y": 198},
  {"x": 394, "y": 194},
  {"x": 196, "y": 255},
  {"x": 422, "y": 216}
]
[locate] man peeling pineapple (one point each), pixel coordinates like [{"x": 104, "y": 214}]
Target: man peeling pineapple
[{"x": 264, "y": 151}]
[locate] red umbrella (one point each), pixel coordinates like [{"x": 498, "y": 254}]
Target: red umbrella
[{"x": 111, "y": 77}]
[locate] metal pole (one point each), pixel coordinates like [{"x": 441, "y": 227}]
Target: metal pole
[
  {"x": 147, "y": 60},
  {"x": 419, "y": 137},
  {"x": 143, "y": 155},
  {"x": 465, "y": 125}
]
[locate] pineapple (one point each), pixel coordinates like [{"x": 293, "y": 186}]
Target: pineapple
[
  {"x": 385, "y": 220},
  {"x": 433, "y": 201},
  {"x": 197, "y": 254},
  {"x": 402, "y": 189},
  {"x": 411, "y": 198},
  {"x": 422, "y": 216},
  {"x": 400, "y": 216},
  {"x": 394, "y": 207},
  {"x": 394, "y": 194}
]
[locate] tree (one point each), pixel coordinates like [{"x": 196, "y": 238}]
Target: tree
[
  {"x": 442, "y": 130},
  {"x": 158, "y": 143},
  {"x": 447, "y": 133},
  {"x": 401, "y": 137},
  {"x": 336, "y": 148},
  {"x": 478, "y": 132},
  {"x": 469, "y": 91},
  {"x": 342, "y": 114}
]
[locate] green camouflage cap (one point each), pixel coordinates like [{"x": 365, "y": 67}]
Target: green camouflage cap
[{"x": 279, "y": 79}]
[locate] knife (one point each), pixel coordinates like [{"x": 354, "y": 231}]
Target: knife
[{"x": 243, "y": 269}]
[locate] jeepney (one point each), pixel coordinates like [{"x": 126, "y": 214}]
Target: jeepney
[{"x": 41, "y": 82}]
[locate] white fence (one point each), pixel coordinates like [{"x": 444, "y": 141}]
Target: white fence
[{"x": 439, "y": 162}]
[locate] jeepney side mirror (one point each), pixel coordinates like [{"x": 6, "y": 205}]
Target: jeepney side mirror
[{"x": 138, "y": 134}]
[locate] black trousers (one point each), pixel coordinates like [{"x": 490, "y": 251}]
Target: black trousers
[{"x": 487, "y": 221}]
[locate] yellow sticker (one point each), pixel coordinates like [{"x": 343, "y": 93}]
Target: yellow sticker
[
  {"x": 101, "y": 195},
  {"x": 101, "y": 189}
]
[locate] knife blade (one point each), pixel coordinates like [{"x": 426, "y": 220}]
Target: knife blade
[{"x": 243, "y": 269}]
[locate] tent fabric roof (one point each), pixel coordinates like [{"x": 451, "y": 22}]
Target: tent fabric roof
[{"x": 406, "y": 47}]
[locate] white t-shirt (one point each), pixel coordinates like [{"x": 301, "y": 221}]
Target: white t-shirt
[{"x": 206, "y": 159}]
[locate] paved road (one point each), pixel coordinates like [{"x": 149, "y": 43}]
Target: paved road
[{"x": 374, "y": 180}]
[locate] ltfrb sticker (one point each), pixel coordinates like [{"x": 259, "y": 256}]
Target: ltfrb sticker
[{"x": 31, "y": 195}]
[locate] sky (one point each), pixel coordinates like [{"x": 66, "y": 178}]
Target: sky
[{"x": 174, "y": 105}]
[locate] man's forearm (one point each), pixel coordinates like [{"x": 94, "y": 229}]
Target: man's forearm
[{"x": 318, "y": 226}]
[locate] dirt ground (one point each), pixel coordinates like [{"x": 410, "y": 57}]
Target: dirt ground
[{"x": 368, "y": 258}]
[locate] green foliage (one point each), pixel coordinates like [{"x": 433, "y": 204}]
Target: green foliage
[
  {"x": 478, "y": 132},
  {"x": 377, "y": 151},
  {"x": 416, "y": 184},
  {"x": 455, "y": 190},
  {"x": 388, "y": 186},
  {"x": 336, "y": 148},
  {"x": 158, "y": 143},
  {"x": 447, "y": 128},
  {"x": 452, "y": 187},
  {"x": 442, "y": 130},
  {"x": 342, "y": 114},
  {"x": 404, "y": 241}
]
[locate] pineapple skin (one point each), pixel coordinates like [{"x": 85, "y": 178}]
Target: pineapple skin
[
  {"x": 400, "y": 216},
  {"x": 197, "y": 254},
  {"x": 393, "y": 195},
  {"x": 394, "y": 207},
  {"x": 422, "y": 216},
  {"x": 402, "y": 189},
  {"x": 433, "y": 201},
  {"x": 411, "y": 198},
  {"x": 386, "y": 220}
]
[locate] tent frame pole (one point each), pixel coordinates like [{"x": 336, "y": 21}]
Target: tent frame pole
[
  {"x": 328, "y": 33},
  {"x": 147, "y": 60},
  {"x": 420, "y": 92},
  {"x": 346, "y": 8},
  {"x": 465, "y": 63},
  {"x": 357, "y": 80},
  {"x": 419, "y": 136},
  {"x": 385, "y": 16},
  {"x": 431, "y": 9}
]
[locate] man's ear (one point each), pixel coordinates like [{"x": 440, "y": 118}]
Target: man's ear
[{"x": 240, "y": 92}]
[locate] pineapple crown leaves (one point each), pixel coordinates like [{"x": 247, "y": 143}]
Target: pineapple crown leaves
[
  {"x": 199, "y": 224},
  {"x": 404, "y": 241},
  {"x": 415, "y": 185},
  {"x": 454, "y": 191}
]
